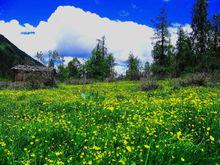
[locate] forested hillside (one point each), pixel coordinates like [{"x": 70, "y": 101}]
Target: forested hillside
[{"x": 10, "y": 56}]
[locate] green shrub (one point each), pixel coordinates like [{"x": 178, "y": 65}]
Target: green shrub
[
  {"x": 74, "y": 81},
  {"x": 33, "y": 82},
  {"x": 196, "y": 79},
  {"x": 149, "y": 85},
  {"x": 216, "y": 76}
]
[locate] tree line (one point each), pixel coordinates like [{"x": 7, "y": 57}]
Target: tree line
[
  {"x": 99, "y": 66},
  {"x": 197, "y": 51}
]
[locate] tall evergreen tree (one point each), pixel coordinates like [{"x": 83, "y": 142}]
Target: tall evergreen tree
[
  {"x": 101, "y": 63},
  {"x": 170, "y": 62},
  {"x": 200, "y": 32},
  {"x": 214, "y": 44},
  {"x": 216, "y": 34},
  {"x": 63, "y": 73},
  {"x": 133, "y": 72},
  {"x": 74, "y": 68},
  {"x": 146, "y": 71},
  {"x": 183, "y": 57},
  {"x": 110, "y": 63},
  {"x": 161, "y": 44}
]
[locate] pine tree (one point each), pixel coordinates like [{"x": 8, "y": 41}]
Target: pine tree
[
  {"x": 146, "y": 71},
  {"x": 63, "y": 73},
  {"x": 200, "y": 32},
  {"x": 74, "y": 68},
  {"x": 214, "y": 44},
  {"x": 101, "y": 63},
  {"x": 133, "y": 72},
  {"x": 161, "y": 45},
  {"x": 110, "y": 63},
  {"x": 216, "y": 34},
  {"x": 170, "y": 64},
  {"x": 183, "y": 58}
]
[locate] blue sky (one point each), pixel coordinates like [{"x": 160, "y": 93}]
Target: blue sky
[{"x": 140, "y": 11}]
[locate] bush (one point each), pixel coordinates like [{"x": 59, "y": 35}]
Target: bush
[
  {"x": 111, "y": 79},
  {"x": 196, "y": 79},
  {"x": 74, "y": 81},
  {"x": 149, "y": 85},
  {"x": 33, "y": 82},
  {"x": 216, "y": 76},
  {"x": 160, "y": 72}
]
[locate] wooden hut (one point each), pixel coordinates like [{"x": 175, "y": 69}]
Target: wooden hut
[{"x": 25, "y": 73}]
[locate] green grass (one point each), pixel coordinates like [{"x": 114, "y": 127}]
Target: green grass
[{"x": 112, "y": 123}]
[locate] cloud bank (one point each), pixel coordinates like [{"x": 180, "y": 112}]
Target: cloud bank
[{"x": 73, "y": 33}]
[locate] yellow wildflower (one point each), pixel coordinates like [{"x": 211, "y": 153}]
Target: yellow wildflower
[
  {"x": 211, "y": 138},
  {"x": 128, "y": 148},
  {"x": 146, "y": 146}
]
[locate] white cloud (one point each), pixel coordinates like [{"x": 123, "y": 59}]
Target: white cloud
[
  {"x": 73, "y": 32},
  {"x": 67, "y": 59},
  {"x": 174, "y": 29}
]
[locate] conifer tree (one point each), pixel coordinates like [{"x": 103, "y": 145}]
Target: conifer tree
[
  {"x": 216, "y": 34},
  {"x": 133, "y": 72},
  {"x": 74, "y": 68},
  {"x": 183, "y": 57},
  {"x": 161, "y": 44},
  {"x": 146, "y": 71},
  {"x": 110, "y": 63},
  {"x": 214, "y": 44},
  {"x": 200, "y": 33},
  {"x": 101, "y": 63}
]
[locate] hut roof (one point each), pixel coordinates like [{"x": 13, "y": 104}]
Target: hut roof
[{"x": 31, "y": 68}]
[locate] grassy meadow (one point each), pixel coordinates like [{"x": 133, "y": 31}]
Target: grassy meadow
[{"x": 110, "y": 123}]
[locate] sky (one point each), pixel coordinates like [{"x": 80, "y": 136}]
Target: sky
[{"x": 72, "y": 26}]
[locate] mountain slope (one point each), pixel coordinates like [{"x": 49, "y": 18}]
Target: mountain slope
[{"x": 10, "y": 56}]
